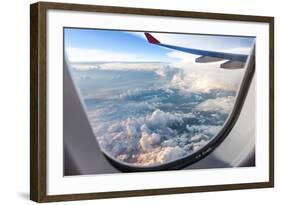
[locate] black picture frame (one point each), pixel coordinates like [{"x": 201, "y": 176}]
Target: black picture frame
[{"x": 38, "y": 100}]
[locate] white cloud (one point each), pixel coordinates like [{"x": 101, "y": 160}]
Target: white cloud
[
  {"x": 150, "y": 140},
  {"x": 147, "y": 141},
  {"x": 124, "y": 66},
  {"x": 239, "y": 50},
  {"x": 184, "y": 74},
  {"x": 187, "y": 74},
  {"x": 204, "y": 77},
  {"x": 205, "y": 131},
  {"x": 91, "y": 55},
  {"x": 160, "y": 156},
  {"x": 221, "y": 104}
]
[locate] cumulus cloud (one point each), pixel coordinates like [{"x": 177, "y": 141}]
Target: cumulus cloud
[
  {"x": 132, "y": 127},
  {"x": 158, "y": 136},
  {"x": 221, "y": 104},
  {"x": 160, "y": 156},
  {"x": 148, "y": 140},
  {"x": 204, "y": 77},
  {"x": 152, "y": 139}
]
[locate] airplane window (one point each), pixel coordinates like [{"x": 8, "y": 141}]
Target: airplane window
[{"x": 156, "y": 99}]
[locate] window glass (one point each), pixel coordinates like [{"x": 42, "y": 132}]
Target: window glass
[{"x": 150, "y": 103}]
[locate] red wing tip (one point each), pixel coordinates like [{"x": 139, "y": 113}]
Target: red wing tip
[{"x": 151, "y": 39}]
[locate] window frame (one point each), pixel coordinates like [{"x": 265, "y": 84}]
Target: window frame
[{"x": 216, "y": 140}]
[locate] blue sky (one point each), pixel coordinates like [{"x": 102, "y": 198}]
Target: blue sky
[{"x": 108, "y": 45}]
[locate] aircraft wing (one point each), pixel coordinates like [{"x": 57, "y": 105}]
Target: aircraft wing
[{"x": 234, "y": 61}]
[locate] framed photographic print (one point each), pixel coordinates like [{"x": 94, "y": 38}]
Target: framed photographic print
[{"x": 134, "y": 102}]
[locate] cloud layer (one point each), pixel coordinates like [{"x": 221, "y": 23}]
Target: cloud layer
[
  {"x": 153, "y": 139},
  {"x": 158, "y": 136},
  {"x": 148, "y": 126}
]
